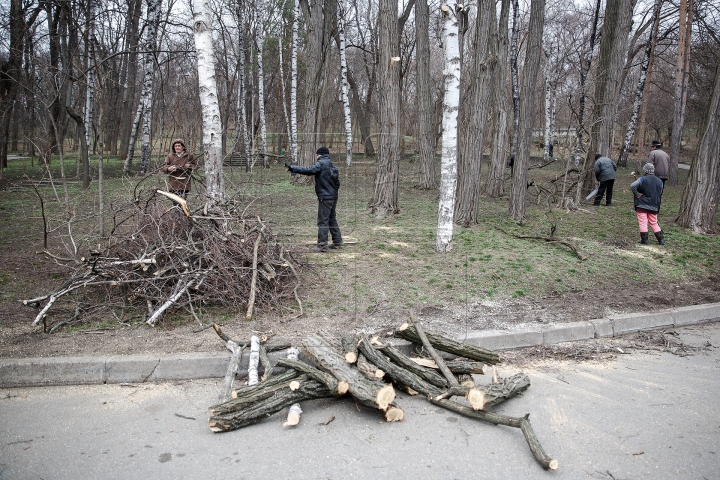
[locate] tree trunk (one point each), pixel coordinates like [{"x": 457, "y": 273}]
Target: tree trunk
[
  {"x": 385, "y": 193},
  {"x": 345, "y": 86},
  {"x": 259, "y": 40},
  {"x": 525, "y": 126},
  {"x": 153, "y": 20},
  {"x": 211, "y": 126},
  {"x": 514, "y": 77},
  {"x": 495, "y": 186},
  {"x": 451, "y": 100},
  {"x": 640, "y": 90},
  {"x": 475, "y": 107},
  {"x": 241, "y": 126},
  {"x": 293, "y": 83},
  {"x": 698, "y": 208},
  {"x": 408, "y": 332},
  {"x": 585, "y": 62},
  {"x": 613, "y": 41},
  {"x": 682, "y": 76},
  {"x": 132, "y": 36},
  {"x": 427, "y": 177}
]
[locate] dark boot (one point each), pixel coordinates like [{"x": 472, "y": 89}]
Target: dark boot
[
  {"x": 643, "y": 238},
  {"x": 660, "y": 237}
]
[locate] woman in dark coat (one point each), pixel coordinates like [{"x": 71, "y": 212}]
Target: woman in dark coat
[
  {"x": 179, "y": 166},
  {"x": 647, "y": 192}
]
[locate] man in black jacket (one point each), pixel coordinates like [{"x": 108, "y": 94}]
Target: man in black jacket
[{"x": 327, "y": 183}]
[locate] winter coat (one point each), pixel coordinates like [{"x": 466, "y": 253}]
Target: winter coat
[
  {"x": 179, "y": 180},
  {"x": 647, "y": 191},
  {"x": 327, "y": 177},
  {"x": 605, "y": 169},
  {"x": 660, "y": 159}
]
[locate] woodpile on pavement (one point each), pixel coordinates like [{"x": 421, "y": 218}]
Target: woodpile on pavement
[{"x": 371, "y": 372}]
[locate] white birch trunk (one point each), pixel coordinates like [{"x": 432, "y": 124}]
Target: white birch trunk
[
  {"x": 133, "y": 138},
  {"x": 260, "y": 39},
  {"x": 293, "y": 84},
  {"x": 345, "y": 86},
  {"x": 548, "y": 102},
  {"x": 282, "y": 92},
  {"x": 211, "y": 124},
  {"x": 448, "y": 168},
  {"x": 241, "y": 118},
  {"x": 90, "y": 92},
  {"x": 153, "y": 20},
  {"x": 294, "y": 412}
]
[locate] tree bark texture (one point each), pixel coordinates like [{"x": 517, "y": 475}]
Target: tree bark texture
[
  {"x": 699, "y": 205},
  {"x": 212, "y": 127},
  {"x": 451, "y": 100},
  {"x": 527, "y": 97},
  {"x": 476, "y": 106},
  {"x": 132, "y": 39},
  {"x": 408, "y": 332},
  {"x": 385, "y": 192},
  {"x": 427, "y": 175},
  {"x": 150, "y": 46}
]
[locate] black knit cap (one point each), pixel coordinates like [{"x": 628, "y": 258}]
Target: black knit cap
[{"x": 323, "y": 151}]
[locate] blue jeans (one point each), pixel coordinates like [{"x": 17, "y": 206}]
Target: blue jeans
[{"x": 327, "y": 222}]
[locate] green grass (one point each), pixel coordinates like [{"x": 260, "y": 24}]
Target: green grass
[{"x": 391, "y": 261}]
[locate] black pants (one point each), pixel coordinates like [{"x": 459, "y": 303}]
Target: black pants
[
  {"x": 605, "y": 187},
  {"x": 327, "y": 222}
]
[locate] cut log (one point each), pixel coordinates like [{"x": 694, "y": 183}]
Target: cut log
[
  {"x": 493, "y": 393},
  {"x": 254, "y": 360},
  {"x": 368, "y": 369},
  {"x": 457, "y": 367},
  {"x": 431, "y": 350},
  {"x": 374, "y": 394},
  {"x": 233, "y": 366},
  {"x": 409, "y": 364},
  {"x": 408, "y": 332},
  {"x": 252, "y": 413},
  {"x": 265, "y": 362},
  {"x": 349, "y": 347},
  {"x": 293, "y": 417},
  {"x": 255, "y": 393},
  {"x": 341, "y": 387}
]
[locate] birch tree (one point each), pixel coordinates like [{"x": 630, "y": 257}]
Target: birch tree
[
  {"x": 90, "y": 76},
  {"x": 451, "y": 101},
  {"x": 259, "y": 41},
  {"x": 344, "y": 82},
  {"x": 585, "y": 63},
  {"x": 241, "y": 128},
  {"x": 132, "y": 40},
  {"x": 699, "y": 205},
  {"x": 682, "y": 74},
  {"x": 527, "y": 97},
  {"x": 211, "y": 124},
  {"x": 640, "y": 89},
  {"x": 293, "y": 83},
  {"x": 151, "y": 26}
]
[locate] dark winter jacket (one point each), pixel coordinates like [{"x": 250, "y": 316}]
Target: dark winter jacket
[
  {"x": 647, "y": 191},
  {"x": 660, "y": 159},
  {"x": 327, "y": 177},
  {"x": 605, "y": 169}
]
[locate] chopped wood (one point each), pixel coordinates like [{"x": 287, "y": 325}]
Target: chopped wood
[
  {"x": 368, "y": 369},
  {"x": 349, "y": 347},
  {"x": 249, "y": 394},
  {"x": 293, "y": 417},
  {"x": 265, "y": 362},
  {"x": 294, "y": 385},
  {"x": 408, "y": 332},
  {"x": 233, "y": 366},
  {"x": 428, "y": 346},
  {"x": 254, "y": 360},
  {"x": 341, "y": 387},
  {"x": 408, "y": 364}
]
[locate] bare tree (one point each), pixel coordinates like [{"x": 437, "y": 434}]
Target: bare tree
[
  {"x": 344, "y": 83},
  {"x": 427, "y": 178},
  {"x": 527, "y": 97},
  {"x": 153, "y": 21},
  {"x": 682, "y": 74}
]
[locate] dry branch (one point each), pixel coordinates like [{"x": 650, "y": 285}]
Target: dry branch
[{"x": 408, "y": 332}]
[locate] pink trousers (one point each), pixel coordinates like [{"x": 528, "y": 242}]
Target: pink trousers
[{"x": 644, "y": 217}]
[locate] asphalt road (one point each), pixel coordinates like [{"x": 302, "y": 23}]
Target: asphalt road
[{"x": 646, "y": 415}]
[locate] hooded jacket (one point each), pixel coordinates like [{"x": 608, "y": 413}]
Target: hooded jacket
[
  {"x": 179, "y": 179},
  {"x": 605, "y": 169},
  {"x": 327, "y": 178}
]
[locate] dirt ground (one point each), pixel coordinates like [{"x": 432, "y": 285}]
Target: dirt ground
[{"x": 18, "y": 339}]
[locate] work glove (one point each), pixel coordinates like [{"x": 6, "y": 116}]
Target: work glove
[{"x": 288, "y": 166}]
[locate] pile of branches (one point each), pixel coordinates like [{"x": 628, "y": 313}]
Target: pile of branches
[
  {"x": 160, "y": 257},
  {"x": 369, "y": 371}
]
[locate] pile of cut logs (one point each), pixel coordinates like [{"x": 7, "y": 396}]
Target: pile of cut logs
[{"x": 369, "y": 371}]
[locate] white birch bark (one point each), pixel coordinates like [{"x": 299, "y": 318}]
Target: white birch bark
[
  {"x": 254, "y": 360},
  {"x": 211, "y": 124},
  {"x": 90, "y": 92},
  {"x": 293, "y": 84},
  {"x": 448, "y": 167},
  {"x": 548, "y": 102},
  {"x": 282, "y": 91},
  {"x": 153, "y": 20},
  {"x": 133, "y": 138},
  {"x": 260, "y": 39},
  {"x": 344, "y": 80},
  {"x": 294, "y": 412}
]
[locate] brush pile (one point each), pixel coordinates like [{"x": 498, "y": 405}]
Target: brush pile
[
  {"x": 369, "y": 371},
  {"x": 160, "y": 258}
]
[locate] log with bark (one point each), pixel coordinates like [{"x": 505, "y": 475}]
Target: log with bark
[{"x": 408, "y": 332}]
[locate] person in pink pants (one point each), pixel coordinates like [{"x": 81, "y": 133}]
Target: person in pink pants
[{"x": 647, "y": 192}]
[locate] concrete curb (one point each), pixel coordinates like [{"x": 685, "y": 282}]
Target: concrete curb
[{"x": 38, "y": 372}]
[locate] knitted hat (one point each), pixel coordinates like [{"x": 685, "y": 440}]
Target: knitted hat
[
  {"x": 649, "y": 169},
  {"x": 323, "y": 151},
  {"x": 180, "y": 141}
]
